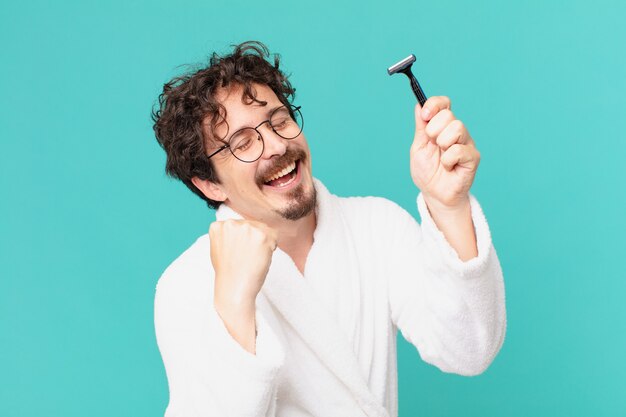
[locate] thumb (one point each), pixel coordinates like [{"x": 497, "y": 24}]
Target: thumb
[{"x": 420, "y": 138}]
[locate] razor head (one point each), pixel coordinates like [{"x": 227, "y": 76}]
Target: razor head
[{"x": 402, "y": 65}]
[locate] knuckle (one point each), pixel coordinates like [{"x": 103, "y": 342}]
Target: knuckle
[
  {"x": 447, "y": 113},
  {"x": 445, "y": 141},
  {"x": 271, "y": 236},
  {"x": 442, "y": 101},
  {"x": 252, "y": 231},
  {"x": 256, "y": 225},
  {"x": 432, "y": 103},
  {"x": 459, "y": 125},
  {"x": 455, "y": 150},
  {"x": 257, "y": 231},
  {"x": 430, "y": 130},
  {"x": 214, "y": 228}
]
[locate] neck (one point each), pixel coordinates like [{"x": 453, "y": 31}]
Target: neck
[{"x": 295, "y": 238}]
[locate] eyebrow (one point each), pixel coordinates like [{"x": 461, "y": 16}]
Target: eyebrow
[{"x": 267, "y": 114}]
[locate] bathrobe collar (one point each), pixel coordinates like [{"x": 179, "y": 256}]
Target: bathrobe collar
[{"x": 332, "y": 335}]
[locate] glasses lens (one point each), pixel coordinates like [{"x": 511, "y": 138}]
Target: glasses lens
[
  {"x": 246, "y": 145},
  {"x": 287, "y": 125}
]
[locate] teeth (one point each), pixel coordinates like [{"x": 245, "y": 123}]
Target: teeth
[
  {"x": 288, "y": 182},
  {"x": 285, "y": 171}
]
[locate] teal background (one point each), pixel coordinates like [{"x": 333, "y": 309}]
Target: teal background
[{"x": 88, "y": 220}]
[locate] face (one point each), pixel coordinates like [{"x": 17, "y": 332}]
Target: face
[{"x": 253, "y": 189}]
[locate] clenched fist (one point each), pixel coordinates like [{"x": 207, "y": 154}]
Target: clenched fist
[
  {"x": 241, "y": 253},
  {"x": 444, "y": 158}
]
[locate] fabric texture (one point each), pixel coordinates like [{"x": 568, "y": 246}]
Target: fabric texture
[{"x": 326, "y": 339}]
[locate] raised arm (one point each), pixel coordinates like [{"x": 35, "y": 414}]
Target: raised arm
[
  {"x": 452, "y": 311},
  {"x": 446, "y": 289}
]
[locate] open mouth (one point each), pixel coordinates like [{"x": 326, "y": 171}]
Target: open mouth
[{"x": 284, "y": 177}]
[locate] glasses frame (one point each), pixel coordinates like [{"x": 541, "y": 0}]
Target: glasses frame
[{"x": 292, "y": 111}]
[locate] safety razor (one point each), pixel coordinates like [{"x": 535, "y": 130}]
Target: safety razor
[{"x": 404, "y": 67}]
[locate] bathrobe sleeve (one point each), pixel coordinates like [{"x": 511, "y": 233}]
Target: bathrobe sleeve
[
  {"x": 208, "y": 372},
  {"x": 452, "y": 311}
]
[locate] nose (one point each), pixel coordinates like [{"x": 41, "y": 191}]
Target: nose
[{"x": 274, "y": 144}]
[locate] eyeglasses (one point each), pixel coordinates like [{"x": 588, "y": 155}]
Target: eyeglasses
[{"x": 247, "y": 144}]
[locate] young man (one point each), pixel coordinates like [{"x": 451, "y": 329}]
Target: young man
[{"x": 291, "y": 304}]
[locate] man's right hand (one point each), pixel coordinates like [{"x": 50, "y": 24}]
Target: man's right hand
[{"x": 241, "y": 253}]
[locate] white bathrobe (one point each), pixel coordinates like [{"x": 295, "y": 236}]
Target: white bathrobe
[{"x": 326, "y": 341}]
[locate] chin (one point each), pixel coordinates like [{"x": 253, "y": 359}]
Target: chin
[{"x": 302, "y": 203}]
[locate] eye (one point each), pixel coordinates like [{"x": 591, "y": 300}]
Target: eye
[
  {"x": 280, "y": 118},
  {"x": 243, "y": 145},
  {"x": 280, "y": 124},
  {"x": 281, "y": 121},
  {"x": 243, "y": 140}
]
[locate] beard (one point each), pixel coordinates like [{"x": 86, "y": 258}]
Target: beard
[{"x": 302, "y": 203}]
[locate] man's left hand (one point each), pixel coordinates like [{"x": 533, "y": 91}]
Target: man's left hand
[{"x": 444, "y": 158}]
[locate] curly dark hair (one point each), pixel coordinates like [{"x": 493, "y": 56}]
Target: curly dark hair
[{"x": 188, "y": 102}]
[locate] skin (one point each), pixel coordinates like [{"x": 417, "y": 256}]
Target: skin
[
  {"x": 238, "y": 279},
  {"x": 443, "y": 162},
  {"x": 238, "y": 188}
]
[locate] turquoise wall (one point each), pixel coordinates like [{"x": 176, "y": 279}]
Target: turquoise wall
[{"x": 88, "y": 220}]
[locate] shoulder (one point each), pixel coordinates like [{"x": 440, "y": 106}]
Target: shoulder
[
  {"x": 369, "y": 203},
  {"x": 361, "y": 207},
  {"x": 373, "y": 209},
  {"x": 188, "y": 275},
  {"x": 376, "y": 219}
]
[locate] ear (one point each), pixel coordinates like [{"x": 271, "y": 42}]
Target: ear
[{"x": 209, "y": 189}]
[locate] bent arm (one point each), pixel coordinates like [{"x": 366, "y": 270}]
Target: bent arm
[
  {"x": 209, "y": 373},
  {"x": 452, "y": 311}
]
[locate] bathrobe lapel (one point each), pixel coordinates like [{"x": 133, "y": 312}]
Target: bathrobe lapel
[{"x": 331, "y": 334}]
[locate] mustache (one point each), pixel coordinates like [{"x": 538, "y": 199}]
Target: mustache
[{"x": 279, "y": 163}]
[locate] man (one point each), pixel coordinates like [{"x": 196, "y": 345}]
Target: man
[{"x": 291, "y": 304}]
